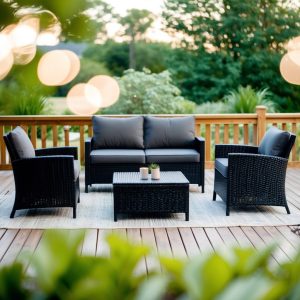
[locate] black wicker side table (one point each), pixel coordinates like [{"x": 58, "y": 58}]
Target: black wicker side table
[{"x": 170, "y": 194}]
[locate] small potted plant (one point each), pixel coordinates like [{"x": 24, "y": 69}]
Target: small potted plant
[{"x": 155, "y": 171}]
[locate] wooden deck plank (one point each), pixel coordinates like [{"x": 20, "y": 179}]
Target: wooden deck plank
[
  {"x": 177, "y": 246},
  {"x": 90, "y": 242},
  {"x": 162, "y": 242},
  {"x": 202, "y": 240},
  {"x": 214, "y": 238},
  {"x": 6, "y": 241},
  {"x": 102, "y": 247},
  {"x": 190, "y": 244},
  {"x": 15, "y": 247},
  {"x": 227, "y": 237}
]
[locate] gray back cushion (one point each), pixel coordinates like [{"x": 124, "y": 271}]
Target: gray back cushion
[
  {"x": 177, "y": 132},
  {"x": 117, "y": 133},
  {"x": 275, "y": 142},
  {"x": 21, "y": 143}
]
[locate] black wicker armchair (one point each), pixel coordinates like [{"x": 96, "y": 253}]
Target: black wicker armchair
[
  {"x": 43, "y": 177},
  {"x": 248, "y": 175}
]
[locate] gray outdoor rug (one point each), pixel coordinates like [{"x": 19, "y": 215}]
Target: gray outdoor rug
[{"x": 96, "y": 211}]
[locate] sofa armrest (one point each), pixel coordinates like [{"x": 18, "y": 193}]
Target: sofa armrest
[
  {"x": 200, "y": 145},
  {"x": 222, "y": 151},
  {"x": 57, "y": 151},
  {"x": 87, "y": 150}
]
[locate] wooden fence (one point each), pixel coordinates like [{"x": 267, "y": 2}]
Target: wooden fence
[{"x": 53, "y": 131}]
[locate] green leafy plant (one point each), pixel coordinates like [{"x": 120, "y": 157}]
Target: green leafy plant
[
  {"x": 59, "y": 271},
  {"x": 153, "y": 166},
  {"x": 245, "y": 100}
]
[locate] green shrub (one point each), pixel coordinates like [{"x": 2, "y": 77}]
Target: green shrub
[
  {"x": 149, "y": 93},
  {"x": 58, "y": 271}
]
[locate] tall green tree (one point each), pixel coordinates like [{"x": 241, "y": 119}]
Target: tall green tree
[
  {"x": 249, "y": 35},
  {"x": 135, "y": 24}
]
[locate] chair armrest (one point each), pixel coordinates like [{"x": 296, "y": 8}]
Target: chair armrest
[
  {"x": 222, "y": 151},
  {"x": 57, "y": 151},
  {"x": 200, "y": 145},
  {"x": 45, "y": 169}
]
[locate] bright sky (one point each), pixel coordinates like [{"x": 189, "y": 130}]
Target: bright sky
[
  {"x": 155, "y": 6},
  {"x": 122, "y": 5}
]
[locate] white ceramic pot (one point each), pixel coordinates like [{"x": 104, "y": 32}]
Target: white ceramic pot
[
  {"x": 155, "y": 174},
  {"x": 144, "y": 173}
]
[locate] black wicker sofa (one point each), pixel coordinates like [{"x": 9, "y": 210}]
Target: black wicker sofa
[
  {"x": 249, "y": 176},
  {"x": 126, "y": 144}
]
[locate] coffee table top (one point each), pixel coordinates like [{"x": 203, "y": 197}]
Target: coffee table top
[{"x": 134, "y": 178}]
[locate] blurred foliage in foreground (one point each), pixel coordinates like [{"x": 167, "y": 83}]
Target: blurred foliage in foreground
[
  {"x": 58, "y": 271},
  {"x": 149, "y": 93}
]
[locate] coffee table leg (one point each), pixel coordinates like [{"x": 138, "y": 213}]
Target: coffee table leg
[
  {"x": 115, "y": 217},
  {"x": 187, "y": 217}
]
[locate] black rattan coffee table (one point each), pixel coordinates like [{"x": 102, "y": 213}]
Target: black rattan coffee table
[{"x": 170, "y": 194}]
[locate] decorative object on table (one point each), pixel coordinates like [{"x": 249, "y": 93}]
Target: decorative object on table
[
  {"x": 126, "y": 144},
  {"x": 155, "y": 171},
  {"x": 170, "y": 194},
  {"x": 249, "y": 175},
  {"x": 43, "y": 177},
  {"x": 144, "y": 172}
]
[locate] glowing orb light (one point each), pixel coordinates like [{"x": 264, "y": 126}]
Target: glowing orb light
[
  {"x": 84, "y": 99},
  {"x": 58, "y": 67},
  {"x": 108, "y": 88},
  {"x": 293, "y": 44},
  {"x": 6, "y": 56},
  {"x": 289, "y": 70},
  {"x": 22, "y": 36}
]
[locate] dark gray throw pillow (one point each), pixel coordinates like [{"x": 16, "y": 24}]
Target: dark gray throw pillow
[
  {"x": 117, "y": 133},
  {"x": 177, "y": 132},
  {"x": 22, "y": 144},
  {"x": 275, "y": 142}
]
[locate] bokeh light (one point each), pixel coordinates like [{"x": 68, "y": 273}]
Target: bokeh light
[
  {"x": 6, "y": 56},
  {"x": 84, "y": 99},
  {"x": 108, "y": 88},
  {"x": 289, "y": 70},
  {"x": 58, "y": 67},
  {"x": 293, "y": 44}
]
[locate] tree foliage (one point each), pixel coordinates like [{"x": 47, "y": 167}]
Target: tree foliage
[
  {"x": 232, "y": 43},
  {"x": 148, "y": 93},
  {"x": 115, "y": 55},
  {"x": 78, "y": 24},
  {"x": 135, "y": 24}
]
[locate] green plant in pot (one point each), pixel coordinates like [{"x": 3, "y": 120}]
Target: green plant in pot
[{"x": 155, "y": 171}]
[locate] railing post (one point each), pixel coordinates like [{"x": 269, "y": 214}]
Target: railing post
[{"x": 261, "y": 122}]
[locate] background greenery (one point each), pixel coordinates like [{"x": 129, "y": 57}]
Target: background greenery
[{"x": 219, "y": 46}]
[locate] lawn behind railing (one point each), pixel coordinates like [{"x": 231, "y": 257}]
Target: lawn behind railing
[{"x": 48, "y": 131}]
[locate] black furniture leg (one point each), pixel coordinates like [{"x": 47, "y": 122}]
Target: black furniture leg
[
  {"x": 86, "y": 188},
  {"x": 74, "y": 212},
  {"x": 202, "y": 188},
  {"x": 227, "y": 210},
  {"x": 287, "y": 209},
  {"x": 214, "y": 196},
  {"x": 115, "y": 217},
  {"x": 12, "y": 213}
]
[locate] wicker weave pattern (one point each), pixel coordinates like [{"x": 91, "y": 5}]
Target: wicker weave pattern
[
  {"x": 255, "y": 179},
  {"x": 222, "y": 151},
  {"x": 47, "y": 180},
  {"x": 151, "y": 197}
]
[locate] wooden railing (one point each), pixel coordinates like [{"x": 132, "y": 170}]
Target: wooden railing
[{"x": 48, "y": 131}]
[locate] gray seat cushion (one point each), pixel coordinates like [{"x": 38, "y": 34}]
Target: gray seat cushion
[
  {"x": 221, "y": 164},
  {"x": 172, "y": 156},
  {"x": 275, "y": 143},
  {"x": 110, "y": 156},
  {"x": 118, "y": 133},
  {"x": 177, "y": 132},
  {"x": 21, "y": 143},
  {"x": 76, "y": 168}
]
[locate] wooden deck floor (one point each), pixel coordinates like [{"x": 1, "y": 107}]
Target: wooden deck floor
[{"x": 184, "y": 242}]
